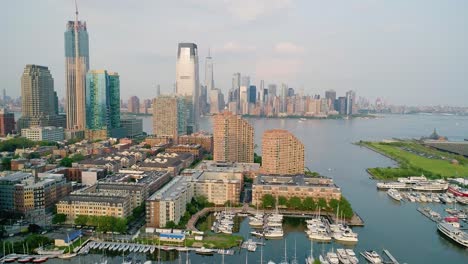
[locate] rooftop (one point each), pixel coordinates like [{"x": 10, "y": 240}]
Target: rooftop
[
  {"x": 171, "y": 190},
  {"x": 293, "y": 180},
  {"x": 16, "y": 177}
]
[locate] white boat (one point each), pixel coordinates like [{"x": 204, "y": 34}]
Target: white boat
[
  {"x": 453, "y": 233},
  {"x": 372, "y": 256},
  {"x": 413, "y": 180},
  {"x": 67, "y": 256},
  {"x": 310, "y": 259},
  {"x": 332, "y": 258},
  {"x": 432, "y": 186},
  {"x": 256, "y": 233},
  {"x": 274, "y": 233},
  {"x": 343, "y": 256},
  {"x": 323, "y": 260},
  {"x": 394, "y": 194},
  {"x": 253, "y": 221},
  {"x": 392, "y": 185},
  {"x": 462, "y": 200},
  {"x": 352, "y": 256},
  {"x": 204, "y": 251}
]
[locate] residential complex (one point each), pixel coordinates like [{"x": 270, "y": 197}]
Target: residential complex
[
  {"x": 233, "y": 138},
  {"x": 48, "y": 133},
  {"x": 7, "y": 122},
  {"x": 288, "y": 186},
  {"x": 169, "y": 116},
  {"x": 204, "y": 139},
  {"x": 282, "y": 153}
]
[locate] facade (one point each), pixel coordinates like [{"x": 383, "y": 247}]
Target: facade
[
  {"x": 38, "y": 98},
  {"x": 194, "y": 149},
  {"x": 133, "y": 105},
  {"x": 219, "y": 187},
  {"x": 233, "y": 138},
  {"x": 96, "y": 205},
  {"x": 205, "y": 140},
  {"x": 44, "y": 133},
  {"x": 282, "y": 153},
  {"x": 252, "y": 94},
  {"x": 294, "y": 185},
  {"x": 7, "y": 122},
  {"x": 187, "y": 82},
  {"x": 169, "y": 116},
  {"x": 169, "y": 203},
  {"x": 133, "y": 126},
  {"x": 102, "y": 100},
  {"x": 76, "y": 67}
]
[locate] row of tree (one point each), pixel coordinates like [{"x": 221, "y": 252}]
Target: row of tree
[
  {"x": 103, "y": 223},
  {"x": 309, "y": 204},
  {"x": 195, "y": 205}
]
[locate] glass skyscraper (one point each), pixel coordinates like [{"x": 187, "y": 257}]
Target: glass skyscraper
[{"x": 102, "y": 100}]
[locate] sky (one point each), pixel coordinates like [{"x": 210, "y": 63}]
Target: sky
[{"x": 412, "y": 52}]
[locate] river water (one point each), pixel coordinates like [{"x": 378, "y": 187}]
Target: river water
[{"x": 407, "y": 234}]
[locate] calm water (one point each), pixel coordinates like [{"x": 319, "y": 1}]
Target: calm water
[{"x": 408, "y": 235}]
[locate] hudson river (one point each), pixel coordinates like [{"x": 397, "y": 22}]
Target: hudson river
[{"x": 407, "y": 234}]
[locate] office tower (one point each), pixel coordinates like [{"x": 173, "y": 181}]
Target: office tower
[
  {"x": 243, "y": 99},
  {"x": 291, "y": 92},
  {"x": 272, "y": 90},
  {"x": 261, "y": 91},
  {"x": 102, "y": 100},
  {"x": 133, "y": 105},
  {"x": 209, "y": 77},
  {"x": 38, "y": 99},
  {"x": 236, "y": 83},
  {"x": 216, "y": 101},
  {"x": 282, "y": 153},
  {"x": 7, "y": 122},
  {"x": 76, "y": 67},
  {"x": 169, "y": 116},
  {"x": 204, "y": 99},
  {"x": 330, "y": 95},
  {"x": 349, "y": 102},
  {"x": 340, "y": 105},
  {"x": 245, "y": 81},
  {"x": 187, "y": 82},
  {"x": 233, "y": 138},
  {"x": 158, "y": 90},
  {"x": 283, "y": 97},
  {"x": 252, "y": 94}
]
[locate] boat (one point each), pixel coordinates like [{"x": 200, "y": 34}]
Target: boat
[
  {"x": 323, "y": 260},
  {"x": 429, "y": 213},
  {"x": 372, "y": 256},
  {"x": 392, "y": 185},
  {"x": 274, "y": 233},
  {"x": 67, "y": 256},
  {"x": 343, "y": 256},
  {"x": 433, "y": 186},
  {"x": 458, "y": 191},
  {"x": 310, "y": 259},
  {"x": 453, "y": 233},
  {"x": 204, "y": 251},
  {"x": 394, "y": 194},
  {"x": 257, "y": 233},
  {"x": 462, "y": 200},
  {"x": 40, "y": 260},
  {"x": 332, "y": 258},
  {"x": 285, "y": 261},
  {"x": 25, "y": 259},
  {"x": 352, "y": 256}
]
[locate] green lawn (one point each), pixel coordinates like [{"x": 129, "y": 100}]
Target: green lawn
[
  {"x": 221, "y": 241},
  {"x": 413, "y": 165}
]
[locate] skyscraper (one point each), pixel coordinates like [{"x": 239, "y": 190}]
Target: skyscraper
[
  {"x": 133, "y": 105},
  {"x": 76, "y": 67},
  {"x": 330, "y": 95},
  {"x": 272, "y": 90},
  {"x": 282, "y": 153},
  {"x": 209, "y": 77},
  {"x": 233, "y": 138},
  {"x": 252, "y": 94},
  {"x": 169, "y": 116},
  {"x": 349, "y": 102},
  {"x": 187, "y": 82},
  {"x": 7, "y": 122},
  {"x": 102, "y": 100},
  {"x": 261, "y": 98},
  {"x": 38, "y": 98},
  {"x": 283, "y": 97}
]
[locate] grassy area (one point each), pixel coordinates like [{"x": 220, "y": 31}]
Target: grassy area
[
  {"x": 75, "y": 244},
  {"x": 415, "y": 159},
  {"x": 221, "y": 241}
]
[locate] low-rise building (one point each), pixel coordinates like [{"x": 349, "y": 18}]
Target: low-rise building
[
  {"x": 204, "y": 139},
  {"x": 97, "y": 204},
  {"x": 172, "y": 162},
  {"x": 169, "y": 203},
  {"x": 301, "y": 186},
  {"x": 48, "y": 133},
  {"x": 194, "y": 149}
]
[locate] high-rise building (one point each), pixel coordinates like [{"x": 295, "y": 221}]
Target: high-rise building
[
  {"x": 330, "y": 95},
  {"x": 340, "y": 105},
  {"x": 216, "y": 101},
  {"x": 261, "y": 91},
  {"x": 233, "y": 138},
  {"x": 133, "y": 105},
  {"x": 38, "y": 99},
  {"x": 252, "y": 94},
  {"x": 283, "y": 97},
  {"x": 209, "y": 77},
  {"x": 272, "y": 90},
  {"x": 349, "y": 102},
  {"x": 169, "y": 116},
  {"x": 7, "y": 122},
  {"x": 187, "y": 82},
  {"x": 102, "y": 100},
  {"x": 282, "y": 153},
  {"x": 245, "y": 81},
  {"x": 235, "y": 90},
  {"x": 76, "y": 67},
  {"x": 291, "y": 92}
]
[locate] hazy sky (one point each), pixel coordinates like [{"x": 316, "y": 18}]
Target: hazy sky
[{"x": 406, "y": 51}]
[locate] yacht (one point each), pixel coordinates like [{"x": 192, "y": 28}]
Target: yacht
[
  {"x": 372, "y": 256},
  {"x": 204, "y": 251},
  {"x": 458, "y": 191},
  {"x": 432, "y": 186},
  {"x": 462, "y": 200},
  {"x": 343, "y": 256},
  {"x": 274, "y": 233},
  {"x": 254, "y": 221},
  {"x": 453, "y": 233},
  {"x": 347, "y": 235},
  {"x": 413, "y": 180},
  {"x": 394, "y": 194},
  {"x": 332, "y": 258},
  {"x": 323, "y": 260},
  {"x": 392, "y": 185},
  {"x": 257, "y": 233},
  {"x": 352, "y": 256}
]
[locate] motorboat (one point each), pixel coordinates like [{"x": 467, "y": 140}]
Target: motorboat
[
  {"x": 455, "y": 234},
  {"x": 274, "y": 233},
  {"x": 25, "y": 259},
  {"x": 392, "y": 185},
  {"x": 372, "y": 256},
  {"x": 352, "y": 256},
  {"x": 204, "y": 251},
  {"x": 343, "y": 256},
  {"x": 332, "y": 258},
  {"x": 40, "y": 260}
]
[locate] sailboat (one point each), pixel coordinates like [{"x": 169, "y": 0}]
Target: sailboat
[
  {"x": 285, "y": 261},
  {"x": 294, "y": 260},
  {"x": 310, "y": 259}
]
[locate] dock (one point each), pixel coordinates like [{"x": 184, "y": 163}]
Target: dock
[
  {"x": 391, "y": 257},
  {"x": 429, "y": 213}
]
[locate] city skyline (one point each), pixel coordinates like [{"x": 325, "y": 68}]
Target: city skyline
[{"x": 349, "y": 57}]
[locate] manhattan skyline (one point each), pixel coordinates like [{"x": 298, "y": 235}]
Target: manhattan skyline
[{"x": 408, "y": 53}]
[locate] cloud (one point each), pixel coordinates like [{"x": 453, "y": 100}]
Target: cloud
[
  {"x": 249, "y": 10},
  {"x": 235, "y": 47},
  {"x": 288, "y": 48}
]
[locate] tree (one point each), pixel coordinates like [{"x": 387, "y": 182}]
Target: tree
[
  {"x": 170, "y": 224},
  {"x": 34, "y": 155},
  {"x": 66, "y": 162},
  {"x": 309, "y": 204},
  {"x": 322, "y": 203},
  {"x": 294, "y": 202},
  {"x": 317, "y": 261},
  {"x": 202, "y": 201},
  {"x": 6, "y": 164},
  {"x": 59, "y": 218},
  {"x": 81, "y": 220},
  {"x": 33, "y": 228},
  {"x": 282, "y": 201},
  {"x": 333, "y": 204},
  {"x": 120, "y": 225},
  {"x": 257, "y": 158},
  {"x": 268, "y": 201}
]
